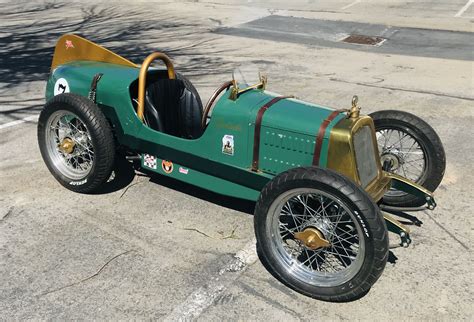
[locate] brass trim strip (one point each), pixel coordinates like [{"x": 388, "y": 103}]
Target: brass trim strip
[
  {"x": 320, "y": 135},
  {"x": 377, "y": 188},
  {"x": 142, "y": 78}
]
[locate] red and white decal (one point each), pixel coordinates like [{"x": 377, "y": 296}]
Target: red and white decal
[
  {"x": 149, "y": 161},
  {"x": 183, "y": 170},
  {"x": 167, "y": 166},
  {"x": 69, "y": 44}
]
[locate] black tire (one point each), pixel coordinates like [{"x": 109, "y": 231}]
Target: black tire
[
  {"x": 100, "y": 137},
  {"x": 430, "y": 143},
  {"x": 369, "y": 221}
]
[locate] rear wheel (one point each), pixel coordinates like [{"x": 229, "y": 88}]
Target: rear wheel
[
  {"x": 321, "y": 234},
  {"x": 411, "y": 148},
  {"x": 76, "y": 142}
]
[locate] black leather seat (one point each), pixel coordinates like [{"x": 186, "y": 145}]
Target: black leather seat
[{"x": 173, "y": 106}]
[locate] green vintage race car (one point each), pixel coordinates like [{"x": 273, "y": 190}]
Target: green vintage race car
[{"x": 319, "y": 176}]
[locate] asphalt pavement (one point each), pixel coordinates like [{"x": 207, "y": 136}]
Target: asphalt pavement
[{"x": 151, "y": 248}]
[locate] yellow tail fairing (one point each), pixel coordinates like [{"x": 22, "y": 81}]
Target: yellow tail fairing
[{"x": 70, "y": 48}]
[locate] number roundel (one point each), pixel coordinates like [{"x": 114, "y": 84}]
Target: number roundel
[{"x": 61, "y": 86}]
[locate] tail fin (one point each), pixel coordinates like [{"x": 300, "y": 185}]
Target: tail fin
[{"x": 71, "y": 48}]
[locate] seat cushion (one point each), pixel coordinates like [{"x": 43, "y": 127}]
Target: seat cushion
[{"x": 173, "y": 109}]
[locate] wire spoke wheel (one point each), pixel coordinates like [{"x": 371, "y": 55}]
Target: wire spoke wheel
[
  {"x": 76, "y": 142},
  {"x": 312, "y": 210},
  {"x": 409, "y": 147},
  {"x": 320, "y": 234},
  {"x": 69, "y": 144},
  {"x": 404, "y": 154}
]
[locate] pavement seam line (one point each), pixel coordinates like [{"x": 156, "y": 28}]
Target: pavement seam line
[
  {"x": 463, "y": 9},
  {"x": 204, "y": 296},
  {"x": 351, "y": 4},
  {"x": 18, "y": 122},
  {"x": 392, "y": 88}
]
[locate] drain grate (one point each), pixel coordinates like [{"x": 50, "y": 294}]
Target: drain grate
[{"x": 364, "y": 40}]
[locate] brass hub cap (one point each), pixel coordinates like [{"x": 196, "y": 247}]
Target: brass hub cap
[
  {"x": 66, "y": 145},
  {"x": 312, "y": 238}
]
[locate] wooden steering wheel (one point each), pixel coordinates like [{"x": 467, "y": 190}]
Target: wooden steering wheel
[{"x": 211, "y": 101}]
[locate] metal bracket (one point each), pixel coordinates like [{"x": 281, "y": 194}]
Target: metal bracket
[
  {"x": 398, "y": 228},
  {"x": 408, "y": 186},
  {"x": 236, "y": 91},
  {"x": 93, "y": 88}
]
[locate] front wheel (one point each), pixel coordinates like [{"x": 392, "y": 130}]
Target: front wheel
[
  {"x": 409, "y": 147},
  {"x": 320, "y": 234},
  {"x": 76, "y": 142}
]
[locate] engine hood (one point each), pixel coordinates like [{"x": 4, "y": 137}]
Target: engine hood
[
  {"x": 288, "y": 131},
  {"x": 295, "y": 116}
]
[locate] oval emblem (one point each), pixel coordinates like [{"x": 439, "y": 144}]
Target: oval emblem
[
  {"x": 167, "y": 166},
  {"x": 61, "y": 86}
]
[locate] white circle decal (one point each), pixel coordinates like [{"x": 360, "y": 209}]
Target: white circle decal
[{"x": 61, "y": 86}]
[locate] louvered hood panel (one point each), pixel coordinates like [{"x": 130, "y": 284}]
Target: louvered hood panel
[{"x": 288, "y": 134}]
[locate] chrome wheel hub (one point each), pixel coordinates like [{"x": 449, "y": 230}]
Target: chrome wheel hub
[
  {"x": 316, "y": 236},
  {"x": 69, "y": 145},
  {"x": 393, "y": 159}
]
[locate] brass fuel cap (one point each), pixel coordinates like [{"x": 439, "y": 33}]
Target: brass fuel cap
[
  {"x": 66, "y": 146},
  {"x": 312, "y": 238}
]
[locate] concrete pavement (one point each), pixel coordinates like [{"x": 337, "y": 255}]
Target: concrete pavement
[{"x": 154, "y": 249}]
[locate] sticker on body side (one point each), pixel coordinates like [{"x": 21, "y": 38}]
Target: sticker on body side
[
  {"x": 228, "y": 144},
  {"x": 167, "y": 166},
  {"x": 69, "y": 44},
  {"x": 61, "y": 86},
  {"x": 149, "y": 161},
  {"x": 183, "y": 170}
]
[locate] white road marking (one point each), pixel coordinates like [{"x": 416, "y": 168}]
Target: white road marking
[
  {"x": 204, "y": 296},
  {"x": 463, "y": 9},
  {"x": 351, "y": 4},
  {"x": 17, "y": 122}
]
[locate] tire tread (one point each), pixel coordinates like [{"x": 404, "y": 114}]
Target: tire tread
[{"x": 362, "y": 201}]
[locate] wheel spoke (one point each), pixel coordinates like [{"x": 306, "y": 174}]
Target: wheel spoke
[
  {"x": 333, "y": 220},
  {"x": 410, "y": 155},
  {"x": 64, "y": 125}
]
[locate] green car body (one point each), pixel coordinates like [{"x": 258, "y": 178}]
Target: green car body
[
  {"x": 315, "y": 172},
  {"x": 288, "y": 132},
  {"x": 291, "y": 130}
]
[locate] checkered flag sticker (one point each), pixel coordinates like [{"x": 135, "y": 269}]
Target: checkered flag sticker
[{"x": 149, "y": 161}]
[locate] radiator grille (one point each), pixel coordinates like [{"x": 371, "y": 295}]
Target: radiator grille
[{"x": 365, "y": 155}]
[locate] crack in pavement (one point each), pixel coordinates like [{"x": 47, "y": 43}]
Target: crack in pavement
[
  {"x": 87, "y": 278},
  {"x": 402, "y": 89},
  {"x": 8, "y": 214},
  {"x": 447, "y": 231}
]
